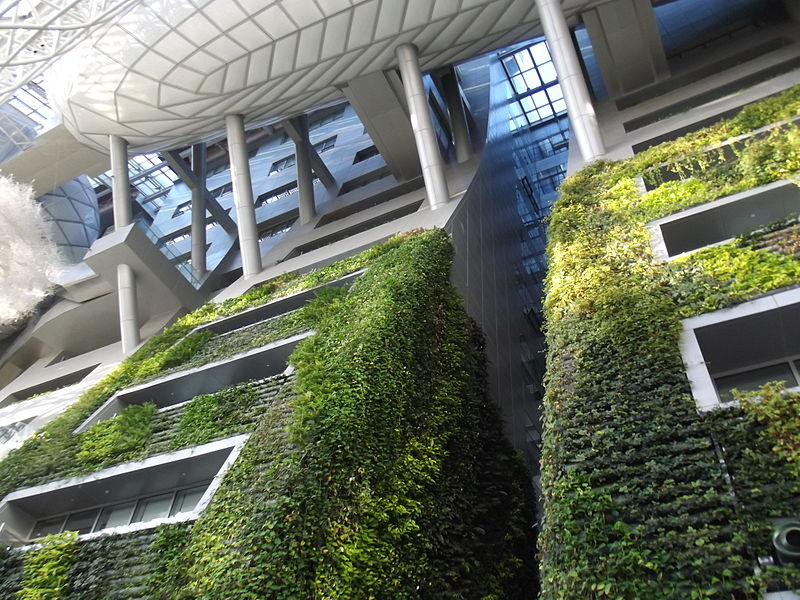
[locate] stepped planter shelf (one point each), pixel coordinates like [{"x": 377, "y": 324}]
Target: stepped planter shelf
[
  {"x": 715, "y": 156},
  {"x": 181, "y": 387},
  {"x": 102, "y": 503},
  {"x": 722, "y": 220},
  {"x": 275, "y": 308}
]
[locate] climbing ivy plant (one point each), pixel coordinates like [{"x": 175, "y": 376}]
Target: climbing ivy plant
[
  {"x": 378, "y": 469},
  {"x": 636, "y": 503},
  {"x": 46, "y": 569}
]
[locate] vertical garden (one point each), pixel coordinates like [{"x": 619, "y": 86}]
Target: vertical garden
[
  {"x": 644, "y": 497},
  {"x": 377, "y": 469}
]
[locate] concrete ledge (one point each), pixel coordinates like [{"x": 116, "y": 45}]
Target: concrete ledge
[
  {"x": 723, "y": 219},
  {"x": 20, "y": 510},
  {"x": 274, "y": 308},
  {"x": 209, "y": 378}
]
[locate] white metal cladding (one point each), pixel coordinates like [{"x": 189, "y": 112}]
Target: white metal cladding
[{"x": 167, "y": 71}]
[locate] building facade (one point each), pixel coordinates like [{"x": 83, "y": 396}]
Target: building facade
[{"x": 273, "y": 445}]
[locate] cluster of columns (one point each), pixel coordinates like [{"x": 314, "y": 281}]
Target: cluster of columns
[{"x": 579, "y": 107}]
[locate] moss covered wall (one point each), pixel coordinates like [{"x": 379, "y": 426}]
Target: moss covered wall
[
  {"x": 636, "y": 503},
  {"x": 377, "y": 470}
]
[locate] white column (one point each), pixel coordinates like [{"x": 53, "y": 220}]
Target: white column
[
  {"x": 243, "y": 196},
  {"x": 583, "y": 122},
  {"x": 458, "y": 119},
  {"x": 199, "y": 210},
  {"x": 128, "y": 314},
  {"x": 430, "y": 158},
  {"x": 305, "y": 175},
  {"x": 121, "y": 183}
]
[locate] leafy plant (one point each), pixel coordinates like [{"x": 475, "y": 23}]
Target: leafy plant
[
  {"x": 378, "y": 470},
  {"x": 46, "y": 569},
  {"x": 119, "y": 438},
  {"x": 636, "y": 504},
  {"x": 778, "y": 410}
]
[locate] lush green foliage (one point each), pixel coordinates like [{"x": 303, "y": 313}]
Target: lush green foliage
[
  {"x": 779, "y": 412},
  {"x": 211, "y": 416},
  {"x": 46, "y": 569},
  {"x": 387, "y": 476},
  {"x": 636, "y": 505},
  {"x": 378, "y": 470},
  {"x": 117, "y": 439},
  {"x": 52, "y": 453}
]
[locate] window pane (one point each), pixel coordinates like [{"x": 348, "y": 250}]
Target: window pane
[
  {"x": 527, "y": 103},
  {"x": 114, "y": 516},
  {"x": 540, "y": 53},
  {"x": 151, "y": 508},
  {"x": 47, "y": 526},
  {"x": 540, "y": 99},
  {"x": 532, "y": 80},
  {"x": 519, "y": 84},
  {"x": 752, "y": 380},
  {"x": 186, "y": 500},
  {"x": 524, "y": 59},
  {"x": 547, "y": 72},
  {"x": 511, "y": 65},
  {"x": 81, "y": 521},
  {"x": 555, "y": 92},
  {"x": 545, "y": 111}
]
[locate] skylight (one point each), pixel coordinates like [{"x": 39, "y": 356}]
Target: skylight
[{"x": 533, "y": 77}]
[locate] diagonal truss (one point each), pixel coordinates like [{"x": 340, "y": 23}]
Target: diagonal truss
[{"x": 33, "y": 33}]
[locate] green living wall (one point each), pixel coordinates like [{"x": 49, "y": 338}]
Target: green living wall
[
  {"x": 376, "y": 470},
  {"x": 636, "y": 503}
]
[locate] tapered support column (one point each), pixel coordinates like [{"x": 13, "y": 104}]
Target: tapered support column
[
  {"x": 305, "y": 176},
  {"x": 458, "y": 118},
  {"x": 128, "y": 313},
  {"x": 243, "y": 196},
  {"x": 199, "y": 210},
  {"x": 424, "y": 135},
  {"x": 582, "y": 119},
  {"x": 121, "y": 183}
]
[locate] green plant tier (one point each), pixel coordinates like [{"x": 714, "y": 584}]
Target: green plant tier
[
  {"x": 636, "y": 502},
  {"x": 378, "y": 469}
]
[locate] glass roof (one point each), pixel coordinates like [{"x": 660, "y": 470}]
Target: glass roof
[{"x": 533, "y": 77}]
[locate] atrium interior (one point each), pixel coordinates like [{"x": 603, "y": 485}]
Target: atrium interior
[{"x": 204, "y": 153}]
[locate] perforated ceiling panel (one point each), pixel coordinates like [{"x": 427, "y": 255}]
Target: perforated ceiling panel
[{"x": 167, "y": 71}]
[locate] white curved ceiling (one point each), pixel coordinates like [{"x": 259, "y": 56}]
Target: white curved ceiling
[
  {"x": 166, "y": 72},
  {"x": 33, "y": 34}
]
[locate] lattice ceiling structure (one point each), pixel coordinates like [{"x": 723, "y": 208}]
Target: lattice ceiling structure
[
  {"x": 166, "y": 71},
  {"x": 33, "y": 33}
]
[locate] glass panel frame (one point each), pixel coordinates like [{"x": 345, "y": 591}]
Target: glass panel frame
[
  {"x": 752, "y": 379},
  {"x": 107, "y": 514}
]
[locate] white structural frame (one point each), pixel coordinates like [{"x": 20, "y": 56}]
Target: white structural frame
[
  {"x": 701, "y": 382},
  {"x": 235, "y": 443},
  {"x": 659, "y": 246},
  {"x": 34, "y": 34}
]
